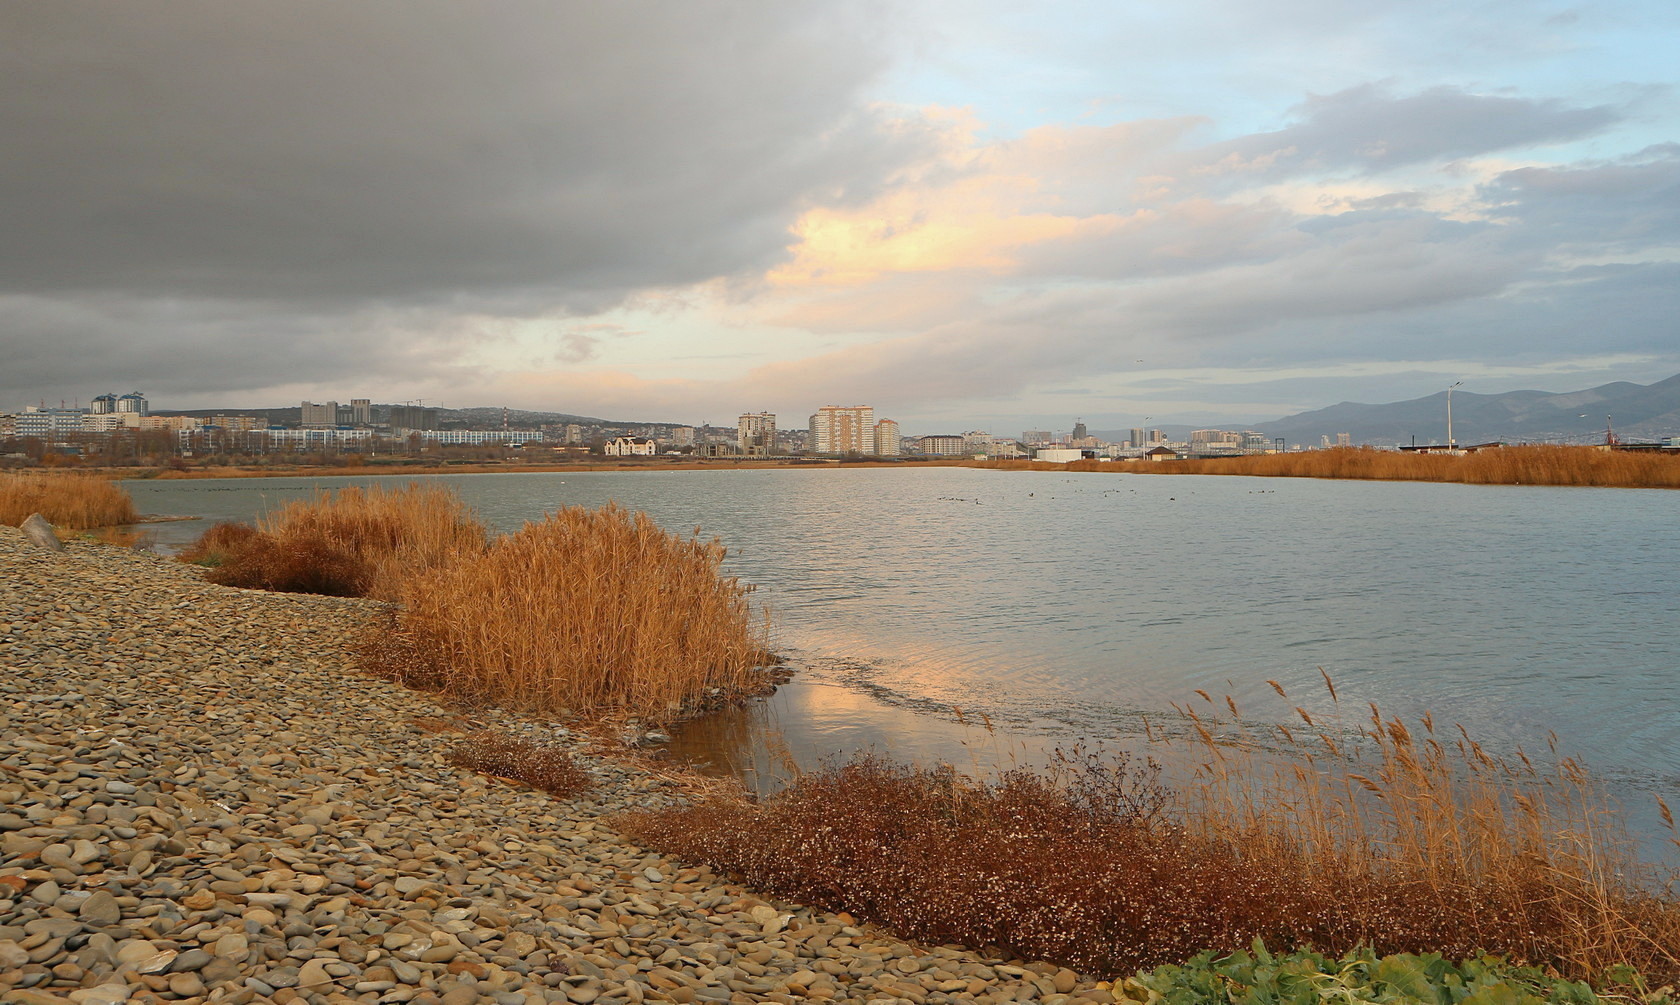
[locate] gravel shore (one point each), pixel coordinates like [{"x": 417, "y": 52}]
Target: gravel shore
[{"x": 202, "y": 801}]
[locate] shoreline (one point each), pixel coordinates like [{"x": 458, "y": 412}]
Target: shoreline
[
  {"x": 202, "y": 800},
  {"x": 494, "y": 468}
]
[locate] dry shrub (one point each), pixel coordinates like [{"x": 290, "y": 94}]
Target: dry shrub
[
  {"x": 492, "y": 753},
  {"x": 1532, "y": 465},
  {"x": 65, "y": 500},
  {"x": 1401, "y": 845},
  {"x": 596, "y": 610},
  {"x": 357, "y": 543}
]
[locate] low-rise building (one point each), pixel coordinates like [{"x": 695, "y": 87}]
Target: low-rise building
[
  {"x": 630, "y": 446},
  {"x": 942, "y": 445}
]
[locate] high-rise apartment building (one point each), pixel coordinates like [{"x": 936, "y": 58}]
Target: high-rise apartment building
[
  {"x": 1079, "y": 430},
  {"x": 320, "y": 416},
  {"x": 886, "y": 438},
  {"x": 410, "y": 417},
  {"x": 1135, "y": 438},
  {"x": 682, "y": 436},
  {"x": 1035, "y": 436},
  {"x": 361, "y": 412},
  {"x": 756, "y": 433},
  {"x": 843, "y": 429}
]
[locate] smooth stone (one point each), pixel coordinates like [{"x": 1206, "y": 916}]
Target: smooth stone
[
  {"x": 104, "y": 994},
  {"x": 313, "y": 974},
  {"x": 12, "y": 955},
  {"x": 40, "y": 533},
  {"x": 101, "y": 909},
  {"x": 186, "y": 985},
  {"x": 192, "y": 959}
]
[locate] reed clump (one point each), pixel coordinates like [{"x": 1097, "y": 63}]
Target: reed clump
[
  {"x": 505, "y": 756},
  {"x": 598, "y": 610},
  {"x": 1380, "y": 838},
  {"x": 356, "y": 543},
  {"x": 1524, "y": 465},
  {"x": 65, "y": 500}
]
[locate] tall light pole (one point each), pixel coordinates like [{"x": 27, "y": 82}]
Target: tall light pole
[{"x": 1451, "y": 443}]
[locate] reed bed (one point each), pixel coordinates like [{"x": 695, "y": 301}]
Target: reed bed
[
  {"x": 65, "y": 500},
  {"x": 1380, "y": 837},
  {"x": 597, "y": 610},
  {"x": 1533, "y": 465},
  {"x": 357, "y": 543}
]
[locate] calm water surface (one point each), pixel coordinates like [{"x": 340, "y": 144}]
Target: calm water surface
[{"x": 1070, "y": 606}]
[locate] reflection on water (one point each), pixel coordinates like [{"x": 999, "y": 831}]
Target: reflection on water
[{"x": 1069, "y": 606}]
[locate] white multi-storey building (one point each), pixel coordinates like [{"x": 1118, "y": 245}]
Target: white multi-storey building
[
  {"x": 756, "y": 433},
  {"x": 630, "y": 446},
  {"x": 843, "y": 429},
  {"x": 49, "y": 423},
  {"x": 320, "y": 416},
  {"x": 479, "y": 437}
]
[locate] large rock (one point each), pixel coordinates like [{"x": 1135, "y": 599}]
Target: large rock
[{"x": 39, "y": 531}]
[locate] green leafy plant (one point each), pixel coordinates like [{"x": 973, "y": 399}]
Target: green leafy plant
[{"x": 1305, "y": 977}]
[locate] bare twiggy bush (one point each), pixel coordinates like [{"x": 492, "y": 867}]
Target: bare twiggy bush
[
  {"x": 1372, "y": 837},
  {"x": 1532, "y": 465},
  {"x": 598, "y": 610},
  {"x": 504, "y": 756},
  {"x": 357, "y": 543},
  {"x": 65, "y": 500}
]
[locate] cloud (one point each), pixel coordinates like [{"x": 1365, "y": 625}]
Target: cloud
[
  {"x": 561, "y": 205},
  {"x": 324, "y": 151},
  {"x": 1366, "y": 129}
]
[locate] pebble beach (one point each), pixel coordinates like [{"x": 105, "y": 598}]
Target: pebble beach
[{"x": 202, "y": 800}]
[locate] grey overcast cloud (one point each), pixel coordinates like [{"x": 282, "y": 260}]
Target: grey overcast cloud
[{"x": 680, "y": 212}]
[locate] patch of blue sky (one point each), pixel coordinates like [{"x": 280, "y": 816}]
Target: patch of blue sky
[{"x": 1245, "y": 66}]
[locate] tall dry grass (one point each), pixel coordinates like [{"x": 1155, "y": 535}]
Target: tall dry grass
[
  {"x": 1534, "y": 465},
  {"x": 1380, "y": 837},
  {"x": 358, "y": 542},
  {"x": 585, "y": 610},
  {"x": 70, "y": 501}
]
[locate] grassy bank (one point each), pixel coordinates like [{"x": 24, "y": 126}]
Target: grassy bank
[
  {"x": 1377, "y": 838},
  {"x": 1538, "y": 465},
  {"x": 69, "y": 501}
]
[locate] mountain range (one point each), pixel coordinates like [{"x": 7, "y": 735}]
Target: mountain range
[{"x": 1637, "y": 411}]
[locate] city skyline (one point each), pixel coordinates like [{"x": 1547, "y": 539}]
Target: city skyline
[{"x": 1220, "y": 214}]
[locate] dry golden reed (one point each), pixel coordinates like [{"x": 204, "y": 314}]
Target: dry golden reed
[
  {"x": 597, "y": 610},
  {"x": 1381, "y": 837},
  {"x": 1530, "y": 465},
  {"x": 357, "y": 542},
  {"x": 69, "y": 501}
]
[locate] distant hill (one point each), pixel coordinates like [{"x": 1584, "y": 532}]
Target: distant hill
[
  {"x": 1640, "y": 411},
  {"x": 484, "y": 417}
]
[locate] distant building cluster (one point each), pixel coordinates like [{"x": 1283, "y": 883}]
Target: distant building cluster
[
  {"x": 107, "y": 423},
  {"x": 832, "y": 431}
]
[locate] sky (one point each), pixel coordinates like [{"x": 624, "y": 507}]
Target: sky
[{"x": 975, "y": 215}]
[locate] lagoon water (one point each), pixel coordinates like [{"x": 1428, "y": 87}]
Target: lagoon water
[{"x": 1066, "y": 607}]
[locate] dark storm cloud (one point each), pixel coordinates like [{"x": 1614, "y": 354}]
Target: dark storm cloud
[
  {"x": 311, "y": 151},
  {"x": 175, "y": 350},
  {"x": 1367, "y": 129}
]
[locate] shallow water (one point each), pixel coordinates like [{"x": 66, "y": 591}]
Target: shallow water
[{"x": 1072, "y": 606}]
